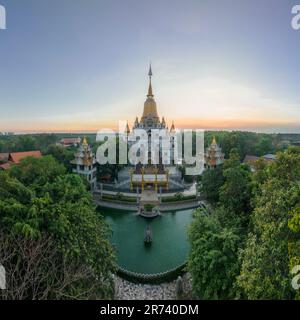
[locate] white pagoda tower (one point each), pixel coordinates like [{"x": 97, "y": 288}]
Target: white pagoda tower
[{"x": 84, "y": 164}]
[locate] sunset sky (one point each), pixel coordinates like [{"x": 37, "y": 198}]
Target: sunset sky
[{"x": 77, "y": 65}]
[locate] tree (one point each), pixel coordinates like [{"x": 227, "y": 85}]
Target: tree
[
  {"x": 264, "y": 146},
  {"x": 36, "y": 173},
  {"x": 61, "y": 154},
  {"x": 294, "y": 243},
  {"x": 213, "y": 258},
  {"x": 39, "y": 202},
  {"x": 265, "y": 271},
  {"x": 212, "y": 181},
  {"x": 235, "y": 193}
]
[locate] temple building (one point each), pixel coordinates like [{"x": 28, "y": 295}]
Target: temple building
[
  {"x": 153, "y": 175},
  {"x": 150, "y": 119},
  {"x": 84, "y": 164},
  {"x": 213, "y": 155},
  {"x": 14, "y": 158}
]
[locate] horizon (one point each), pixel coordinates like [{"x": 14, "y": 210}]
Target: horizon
[{"x": 85, "y": 68}]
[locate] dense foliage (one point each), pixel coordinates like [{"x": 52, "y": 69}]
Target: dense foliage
[
  {"x": 248, "y": 142},
  {"x": 265, "y": 271},
  {"x": 43, "y": 209},
  {"x": 212, "y": 181},
  {"x": 247, "y": 245},
  {"x": 29, "y": 142}
]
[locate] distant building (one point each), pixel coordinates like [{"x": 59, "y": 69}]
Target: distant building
[
  {"x": 16, "y": 157},
  {"x": 4, "y": 157},
  {"x": 250, "y": 159},
  {"x": 6, "y": 133},
  {"x": 213, "y": 155},
  {"x": 84, "y": 163},
  {"x": 296, "y": 143},
  {"x": 267, "y": 157},
  {"x": 70, "y": 142}
]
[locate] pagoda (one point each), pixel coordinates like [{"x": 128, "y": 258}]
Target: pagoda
[
  {"x": 213, "y": 155},
  {"x": 152, "y": 175},
  {"x": 84, "y": 163}
]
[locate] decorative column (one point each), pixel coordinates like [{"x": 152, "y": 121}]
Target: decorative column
[
  {"x": 131, "y": 182},
  {"x": 143, "y": 181},
  {"x": 156, "y": 170},
  {"x": 167, "y": 184},
  {"x": 160, "y": 194}
]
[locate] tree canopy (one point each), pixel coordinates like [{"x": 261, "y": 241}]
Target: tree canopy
[
  {"x": 247, "y": 245},
  {"x": 43, "y": 205}
]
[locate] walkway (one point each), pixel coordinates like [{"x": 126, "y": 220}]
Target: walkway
[
  {"x": 190, "y": 191},
  {"x": 184, "y": 205}
]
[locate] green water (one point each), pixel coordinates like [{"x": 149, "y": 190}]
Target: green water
[{"x": 169, "y": 247}]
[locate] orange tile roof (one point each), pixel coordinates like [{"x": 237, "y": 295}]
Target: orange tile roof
[
  {"x": 4, "y": 156},
  {"x": 16, "y": 157},
  {"x": 5, "y": 166},
  {"x": 250, "y": 158}
]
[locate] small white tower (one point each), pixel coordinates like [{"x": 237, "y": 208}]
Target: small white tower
[{"x": 84, "y": 163}]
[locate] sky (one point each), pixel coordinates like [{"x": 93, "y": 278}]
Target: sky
[{"x": 78, "y": 65}]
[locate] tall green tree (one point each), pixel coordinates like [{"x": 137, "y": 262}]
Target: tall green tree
[
  {"x": 294, "y": 243},
  {"x": 213, "y": 258},
  {"x": 212, "y": 181},
  {"x": 235, "y": 193},
  {"x": 265, "y": 270},
  {"x": 39, "y": 202}
]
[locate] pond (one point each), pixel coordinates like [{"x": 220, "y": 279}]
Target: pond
[{"x": 169, "y": 247}]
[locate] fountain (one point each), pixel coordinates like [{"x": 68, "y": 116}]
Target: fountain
[
  {"x": 148, "y": 236},
  {"x": 168, "y": 250},
  {"x": 149, "y": 204}
]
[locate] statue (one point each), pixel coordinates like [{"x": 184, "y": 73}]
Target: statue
[{"x": 148, "y": 236}]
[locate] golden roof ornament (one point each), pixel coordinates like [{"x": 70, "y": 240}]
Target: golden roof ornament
[
  {"x": 150, "y": 109},
  {"x": 84, "y": 142},
  {"x": 150, "y": 92},
  {"x": 172, "y": 127},
  {"x": 214, "y": 142},
  {"x": 127, "y": 130}
]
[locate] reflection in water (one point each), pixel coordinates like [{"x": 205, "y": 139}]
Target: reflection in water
[{"x": 169, "y": 247}]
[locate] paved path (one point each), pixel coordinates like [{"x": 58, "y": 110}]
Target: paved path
[
  {"x": 190, "y": 191},
  {"x": 116, "y": 205},
  {"x": 163, "y": 207}
]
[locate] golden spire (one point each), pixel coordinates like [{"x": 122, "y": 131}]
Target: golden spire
[
  {"x": 172, "y": 127},
  {"x": 214, "y": 142},
  {"x": 84, "y": 142},
  {"x": 150, "y": 109},
  {"x": 127, "y": 130},
  {"x": 150, "y": 92}
]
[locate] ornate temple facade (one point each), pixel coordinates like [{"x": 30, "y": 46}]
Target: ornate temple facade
[
  {"x": 152, "y": 175},
  {"x": 84, "y": 164},
  {"x": 150, "y": 119},
  {"x": 213, "y": 155}
]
